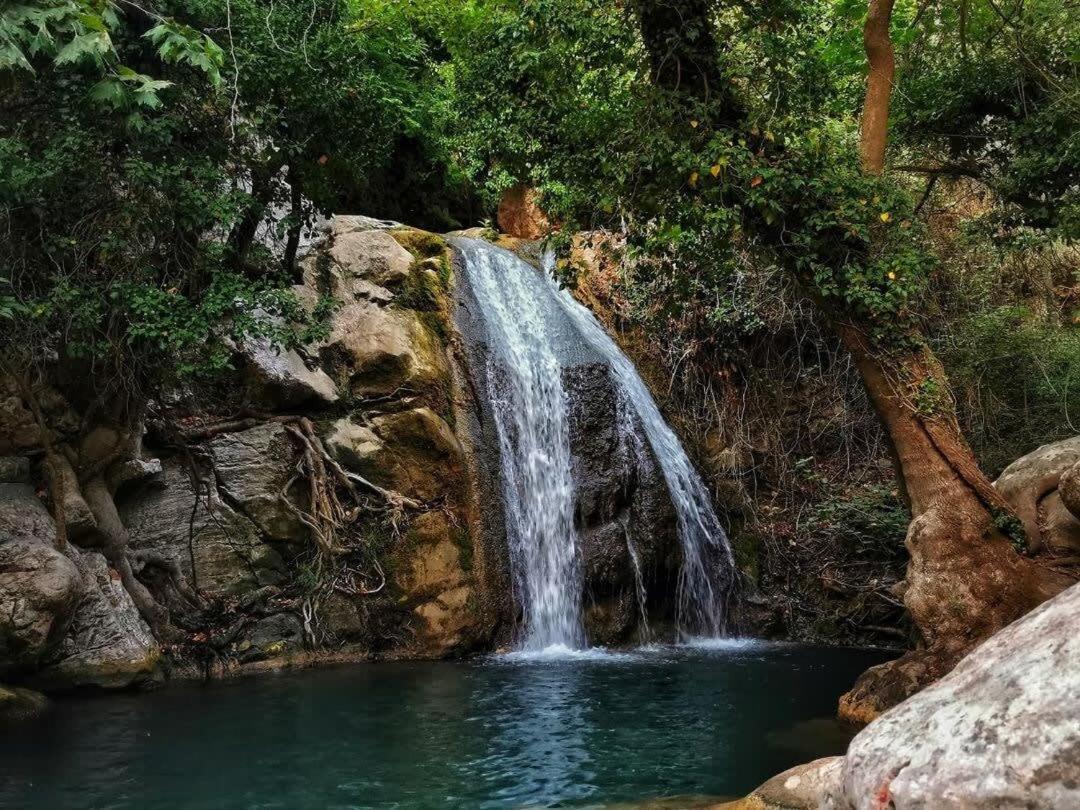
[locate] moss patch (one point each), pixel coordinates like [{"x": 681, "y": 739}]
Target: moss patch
[{"x": 421, "y": 244}]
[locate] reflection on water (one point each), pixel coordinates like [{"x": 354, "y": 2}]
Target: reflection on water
[{"x": 506, "y": 732}]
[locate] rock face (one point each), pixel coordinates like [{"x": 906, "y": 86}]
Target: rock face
[
  {"x": 519, "y": 215},
  {"x": 282, "y": 379},
  {"x": 224, "y": 555},
  {"x": 1032, "y": 485},
  {"x": 999, "y": 731},
  {"x": 622, "y": 504},
  {"x": 108, "y": 645},
  {"x": 253, "y": 468},
  {"x": 412, "y": 451},
  {"x": 39, "y": 587},
  {"x": 377, "y": 351}
]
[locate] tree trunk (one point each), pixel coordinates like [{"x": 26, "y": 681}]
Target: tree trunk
[
  {"x": 115, "y": 549},
  {"x": 965, "y": 581},
  {"x": 679, "y": 38},
  {"x": 874, "y": 132}
]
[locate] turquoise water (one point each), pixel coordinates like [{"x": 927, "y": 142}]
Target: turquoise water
[{"x": 491, "y": 733}]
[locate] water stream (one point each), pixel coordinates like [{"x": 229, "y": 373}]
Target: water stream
[{"x": 533, "y": 326}]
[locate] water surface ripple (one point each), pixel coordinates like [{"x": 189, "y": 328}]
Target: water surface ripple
[{"x": 580, "y": 729}]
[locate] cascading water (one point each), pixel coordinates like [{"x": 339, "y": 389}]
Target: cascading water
[
  {"x": 530, "y": 324},
  {"x": 704, "y": 588},
  {"x": 530, "y": 413}
]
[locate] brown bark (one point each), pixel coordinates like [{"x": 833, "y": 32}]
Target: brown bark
[
  {"x": 874, "y": 131},
  {"x": 965, "y": 580}
]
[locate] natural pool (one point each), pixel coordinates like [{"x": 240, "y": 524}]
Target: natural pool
[{"x": 584, "y": 730}]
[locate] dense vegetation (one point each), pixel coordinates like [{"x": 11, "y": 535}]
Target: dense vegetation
[{"x": 160, "y": 164}]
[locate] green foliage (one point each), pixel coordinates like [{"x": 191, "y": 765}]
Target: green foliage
[
  {"x": 870, "y": 522},
  {"x": 1016, "y": 379}
]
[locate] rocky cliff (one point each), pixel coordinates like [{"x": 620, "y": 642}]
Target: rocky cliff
[{"x": 323, "y": 509}]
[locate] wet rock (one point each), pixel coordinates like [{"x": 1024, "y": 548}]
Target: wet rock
[
  {"x": 1031, "y": 486},
  {"x": 413, "y": 452},
  {"x": 278, "y": 634},
  {"x": 999, "y": 731},
  {"x": 108, "y": 644},
  {"x": 230, "y": 558},
  {"x": 40, "y": 588},
  {"x": 253, "y": 468},
  {"x": 17, "y": 703},
  {"x": 280, "y": 379},
  {"x": 377, "y": 351}
]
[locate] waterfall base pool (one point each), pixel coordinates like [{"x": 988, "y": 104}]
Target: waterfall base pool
[{"x": 581, "y": 730}]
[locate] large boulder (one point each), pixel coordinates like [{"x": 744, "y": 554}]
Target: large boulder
[
  {"x": 378, "y": 351},
  {"x": 1031, "y": 485},
  {"x": 39, "y": 587},
  {"x": 108, "y": 644},
  {"x": 373, "y": 255},
  {"x": 281, "y": 379},
  {"x": 803, "y": 787},
  {"x": 413, "y": 452},
  {"x": 219, "y": 550},
  {"x": 355, "y": 261},
  {"x": 253, "y": 468},
  {"x": 999, "y": 731}
]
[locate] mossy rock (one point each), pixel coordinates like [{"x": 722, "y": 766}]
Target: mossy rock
[{"x": 422, "y": 244}]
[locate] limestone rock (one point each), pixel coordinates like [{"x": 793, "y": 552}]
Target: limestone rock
[
  {"x": 804, "y": 787},
  {"x": 280, "y": 379},
  {"x": 39, "y": 587},
  {"x": 447, "y": 620},
  {"x": 1030, "y": 485},
  {"x": 230, "y": 557},
  {"x": 253, "y": 466},
  {"x": 107, "y": 644},
  {"x": 353, "y": 223},
  {"x": 413, "y": 452},
  {"x": 355, "y": 446},
  {"x": 999, "y": 731},
  {"x": 435, "y": 565},
  {"x": 373, "y": 255},
  {"x": 376, "y": 351}
]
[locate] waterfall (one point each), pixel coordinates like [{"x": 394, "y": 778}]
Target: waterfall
[
  {"x": 534, "y": 328},
  {"x": 704, "y": 588},
  {"x": 530, "y": 413}
]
